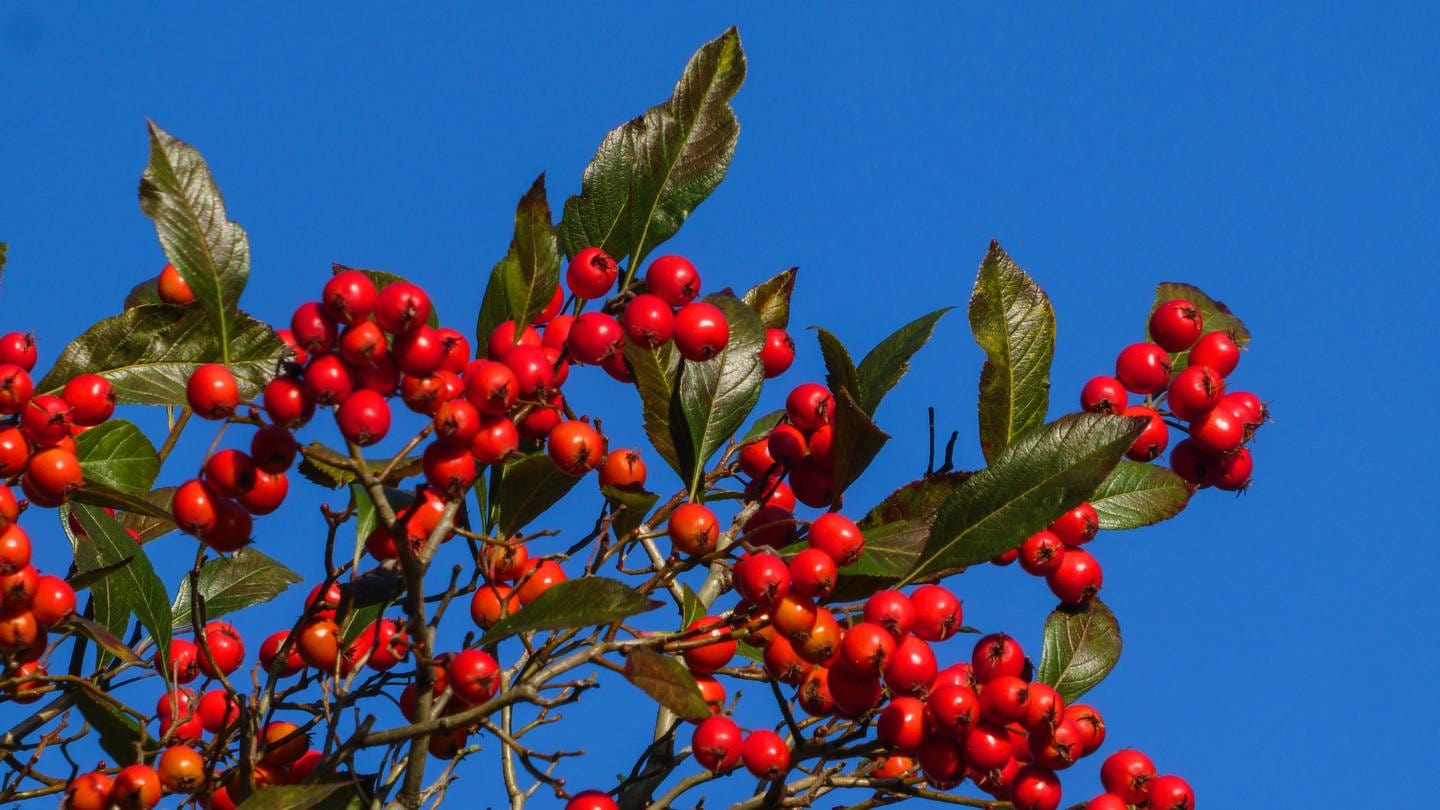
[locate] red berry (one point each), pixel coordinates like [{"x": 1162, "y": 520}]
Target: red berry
[
  {"x": 1059, "y": 746},
  {"x": 778, "y": 353},
  {"x": 1035, "y": 788},
  {"x": 193, "y": 507},
  {"x": 1194, "y": 391},
  {"x": 765, "y": 754},
  {"x": 54, "y": 599},
  {"x": 591, "y": 273},
  {"x": 837, "y": 536},
  {"x": 1040, "y": 553},
  {"x": 183, "y": 665},
  {"x": 55, "y": 473},
  {"x": 1143, "y": 368},
  {"x": 594, "y": 338},
  {"x": 761, "y": 578},
  {"x": 401, "y": 307},
  {"x": 230, "y": 472},
  {"x": 575, "y": 447},
  {"x": 232, "y": 527},
  {"x": 912, "y": 667},
  {"x": 1170, "y": 792},
  {"x": 474, "y": 676},
  {"x": 942, "y": 762},
  {"x": 716, "y": 744},
  {"x": 1078, "y": 526},
  {"x": 938, "y": 614},
  {"x": 226, "y": 647},
  {"x": 363, "y": 417},
  {"x": 449, "y": 469},
  {"x": 14, "y": 452},
  {"x": 701, "y": 331},
  {"x": 674, "y": 279},
  {"x": 623, "y": 468},
  {"x": 47, "y": 420},
  {"x": 1219, "y": 430},
  {"x": 16, "y": 389},
  {"x": 1077, "y": 579},
  {"x": 786, "y": 444},
  {"x": 1091, "y": 725},
  {"x": 18, "y": 348},
  {"x": 901, "y": 725},
  {"x": 491, "y": 387},
  {"x": 951, "y": 709},
  {"x": 1176, "y": 325},
  {"x": 891, "y": 610},
  {"x": 217, "y": 710},
  {"x": 273, "y": 449},
  {"x": 419, "y": 351},
  {"x": 1004, "y": 699},
  {"x": 987, "y": 746},
  {"x": 813, "y": 573},
  {"x": 270, "y": 650},
  {"x": 1152, "y": 440},
  {"x": 855, "y": 693},
  {"x": 997, "y": 655},
  {"x": 867, "y": 648},
  {"x": 539, "y": 577},
  {"x": 312, "y": 328},
  {"x": 1126, "y": 773},
  {"x": 648, "y": 320},
  {"x": 713, "y": 655},
  {"x": 551, "y": 309},
  {"x": 136, "y": 787},
  {"x": 495, "y": 441},
  {"x": 349, "y": 296},
  {"x": 1216, "y": 350},
  {"x": 591, "y": 800},
  {"x": 287, "y": 403},
  {"x": 1103, "y": 395},
  {"x": 91, "y": 399},
  {"x": 809, "y": 406},
  {"x": 1044, "y": 710},
  {"x": 363, "y": 344},
  {"x": 534, "y": 372}
]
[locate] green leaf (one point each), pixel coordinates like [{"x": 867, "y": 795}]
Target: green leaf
[
  {"x": 840, "y": 372},
  {"x": 131, "y": 589},
  {"x": 573, "y": 603},
  {"x": 1082, "y": 645},
  {"x": 630, "y": 506},
  {"x": 494, "y": 307},
  {"x": 530, "y": 486},
  {"x": 534, "y": 276},
  {"x": 154, "y": 521},
  {"x": 149, "y": 352},
  {"x": 716, "y": 395},
  {"x": 146, "y": 292},
  {"x": 1014, "y": 323},
  {"x": 97, "y": 494},
  {"x": 366, "y": 597},
  {"x": 655, "y": 371},
  {"x": 918, "y": 500},
  {"x": 118, "y": 455},
  {"x": 1215, "y": 316},
  {"x": 119, "y": 733},
  {"x": 762, "y": 426},
  {"x": 365, "y": 519},
  {"x": 856, "y": 442},
  {"x": 1033, "y": 481},
  {"x": 1136, "y": 495},
  {"x": 691, "y": 608},
  {"x": 890, "y": 549},
  {"x": 382, "y": 279},
  {"x": 651, "y": 172},
  {"x": 211, "y": 253},
  {"x": 771, "y": 299},
  {"x": 885, "y": 364},
  {"x": 667, "y": 681},
  {"x": 228, "y": 584},
  {"x": 331, "y": 796}
]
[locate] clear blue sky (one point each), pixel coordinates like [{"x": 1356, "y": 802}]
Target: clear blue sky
[{"x": 1282, "y": 158}]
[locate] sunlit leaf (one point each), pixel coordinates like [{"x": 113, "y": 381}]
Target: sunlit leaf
[{"x": 1082, "y": 645}]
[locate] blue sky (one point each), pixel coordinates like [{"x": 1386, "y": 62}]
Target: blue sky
[{"x": 1280, "y": 157}]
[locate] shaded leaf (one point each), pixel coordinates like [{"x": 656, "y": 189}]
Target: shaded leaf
[
  {"x": 771, "y": 299},
  {"x": 667, "y": 681},
  {"x": 896, "y": 531},
  {"x": 98, "y": 634},
  {"x": 885, "y": 364},
  {"x": 655, "y": 371},
  {"x": 691, "y": 608},
  {"x": 573, "y": 603},
  {"x": 631, "y": 507},
  {"x": 132, "y": 589},
  {"x": 154, "y": 522},
  {"x": 119, "y": 733},
  {"x": 494, "y": 307},
  {"x": 97, "y": 494},
  {"x": 530, "y": 486},
  {"x": 716, "y": 395},
  {"x": 1136, "y": 495},
  {"x": 211, "y": 253},
  {"x": 891, "y": 549},
  {"x": 118, "y": 455},
  {"x": 651, "y": 172},
  {"x": 532, "y": 268},
  {"x": 148, "y": 353},
  {"x": 857, "y": 440},
  {"x": 363, "y": 600},
  {"x": 917, "y": 500},
  {"x": 1034, "y": 480},
  {"x": 298, "y": 797},
  {"x": 1082, "y": 645},
  {"x": 146, "y": 292},
  {"x": 1014, "y": 323},
  {"x": 320, "y": 472},
  {"x": 228, "y": 584}
]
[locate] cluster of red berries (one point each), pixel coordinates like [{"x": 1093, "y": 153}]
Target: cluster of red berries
[
  {"x": 30, "y": 604},
  {"x": 37, "y": 433},
  {"x": 1220, "y": 424},
  {"x": 1072, "y": 573}
]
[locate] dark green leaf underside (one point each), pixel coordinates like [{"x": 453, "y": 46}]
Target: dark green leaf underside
[{"x": 573, "y": 603}]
